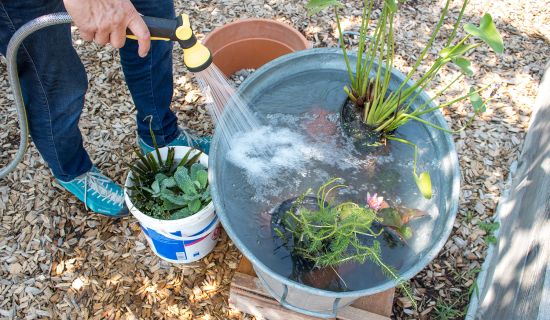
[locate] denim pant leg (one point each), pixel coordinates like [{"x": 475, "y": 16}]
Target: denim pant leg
[
  {"x": 150, "y": 79},
  {"x": 53, "y": 84}
]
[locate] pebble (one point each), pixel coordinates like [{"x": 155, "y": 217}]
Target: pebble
[
  {"x": 461, "y": 243},
  {"x": 479, "y": 208},
  {"x": 238, "y": 77}
]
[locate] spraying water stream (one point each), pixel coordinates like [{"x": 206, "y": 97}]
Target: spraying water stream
[{"x": 220, "y": 94}]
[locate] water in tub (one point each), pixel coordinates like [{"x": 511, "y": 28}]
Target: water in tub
[{"x": 293, "y": 141}]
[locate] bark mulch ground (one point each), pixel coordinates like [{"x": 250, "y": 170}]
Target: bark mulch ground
[{"x": 59, "y": 261}]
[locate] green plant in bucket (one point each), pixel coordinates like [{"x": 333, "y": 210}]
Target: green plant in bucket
[
  {"x": 330, "y": 234},
  {"x": 166, "y": 189},
  {"x": 384, "y": 110}
]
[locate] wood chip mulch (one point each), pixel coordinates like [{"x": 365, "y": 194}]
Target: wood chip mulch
[{"x": 59, "y": 261}]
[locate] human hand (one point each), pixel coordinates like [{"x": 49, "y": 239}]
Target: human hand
[{"x": 106, "y": 21}]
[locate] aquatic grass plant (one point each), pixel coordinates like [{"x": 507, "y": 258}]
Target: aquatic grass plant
[
  {"x": 330, "y": 234},
  {"x": 385, "y": 110},
  {"x": 167, "y": 189}
]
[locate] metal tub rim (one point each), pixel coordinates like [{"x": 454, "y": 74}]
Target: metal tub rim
[{"x": 390, "y": 283}]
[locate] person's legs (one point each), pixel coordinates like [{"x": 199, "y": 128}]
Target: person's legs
[
  {"x": 150, "y": 79},
  {"x": 150, "y": 82},
  {"x": 53, "y": 82}
]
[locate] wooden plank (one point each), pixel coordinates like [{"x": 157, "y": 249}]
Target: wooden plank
[
  {"x": 380, "y": 303},
  {"x": 515, "y": 278},
  {"x": 248, "y": 295},
  {"x": 246, "y": 267}
]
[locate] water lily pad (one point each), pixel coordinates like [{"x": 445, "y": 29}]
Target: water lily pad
[{"x": 391, "y": 218}]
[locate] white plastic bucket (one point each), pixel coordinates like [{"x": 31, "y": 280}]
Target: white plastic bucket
[{"x": 182, "y": 240}]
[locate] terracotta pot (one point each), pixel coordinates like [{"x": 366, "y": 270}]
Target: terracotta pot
[{"x": 251, "y": 43}]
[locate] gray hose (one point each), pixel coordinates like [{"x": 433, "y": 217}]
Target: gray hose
[{"x": 13, "y": 76}]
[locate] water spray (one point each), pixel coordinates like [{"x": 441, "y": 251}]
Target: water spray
[{"x": 196, "y": 57}]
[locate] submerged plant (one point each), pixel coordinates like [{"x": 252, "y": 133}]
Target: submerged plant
[
  {"x": 329, "y": 234},
  {"x": 394, "y": 219},
  {"x": 166, "y": 189},
  {"x": 384, "y": 110}
]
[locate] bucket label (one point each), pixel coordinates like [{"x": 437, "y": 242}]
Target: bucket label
[
  {"x": 182, "y": 251},
  {"x": 216, "y": 234},
  {"x": 181, "y": 256}
]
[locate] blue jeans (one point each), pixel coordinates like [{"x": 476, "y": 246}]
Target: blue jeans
[{"x": 54, "y": 83}]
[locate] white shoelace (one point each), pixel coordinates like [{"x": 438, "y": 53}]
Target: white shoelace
[
  {"x": 95, "y": 180},
  {"x": 190, "y": 138}
]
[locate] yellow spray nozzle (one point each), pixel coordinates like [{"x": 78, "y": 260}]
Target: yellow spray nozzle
[{"x": 197, "y": 58}]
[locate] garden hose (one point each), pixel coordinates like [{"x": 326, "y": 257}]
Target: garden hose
[{"x": 196, "y": 57}]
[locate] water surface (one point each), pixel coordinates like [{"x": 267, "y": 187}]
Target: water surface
[{"x": 300, "y": 145}]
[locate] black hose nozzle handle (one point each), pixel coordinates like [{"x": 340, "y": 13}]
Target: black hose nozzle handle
[{"x": 178, "y": 29}]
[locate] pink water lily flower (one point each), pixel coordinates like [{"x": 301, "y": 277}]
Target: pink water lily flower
[{"x": 374, "y": 202}]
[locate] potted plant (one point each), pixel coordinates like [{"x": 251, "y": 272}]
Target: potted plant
[
  {"x": 251, "y": 43},
  {"x": 373, "y": 113},
  {"x": 322, "y": 235},
  {"x": 167, "y": 190}
]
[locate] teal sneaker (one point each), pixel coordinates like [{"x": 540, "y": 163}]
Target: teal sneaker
[
  {"x": 183, "y": 139},
  {"x": 99, "y": 193}
]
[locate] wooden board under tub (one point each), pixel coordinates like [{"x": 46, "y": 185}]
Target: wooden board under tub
[{"x": 247, "y": 295}]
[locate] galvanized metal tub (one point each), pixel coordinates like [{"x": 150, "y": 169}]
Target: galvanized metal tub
[{"x": 291, "y": 294}]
